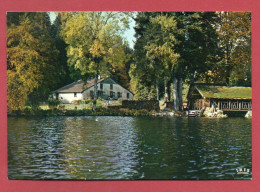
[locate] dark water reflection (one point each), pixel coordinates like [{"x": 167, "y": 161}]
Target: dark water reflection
[{"x": 128, "y": 148}]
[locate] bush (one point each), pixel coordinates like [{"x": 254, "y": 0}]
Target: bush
[
  {"x": 31, "y": 112},
  {"x": 87, "y": 112},
  {"x": 77, "y": 102},
  {"x": 100, "y": 99},
  {"x": 139, "y": 105},
  {"x": 87, "y": 101},
  {"x": 53, "y": 103}
]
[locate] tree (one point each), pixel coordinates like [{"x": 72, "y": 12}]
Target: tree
[
  {"x": 161, "y": 51},
  {"x": 177, "y": 46},
  {"x": 144, "y": 72},
  {"x": 198, "y": 46},
  {"x": 65, "y": 72},
  {"x": 94, "y": 39},
  {"x": 234, "y": 30},
  {"x": 31, "y": 59},
  {"x": 121, "y": 71}
]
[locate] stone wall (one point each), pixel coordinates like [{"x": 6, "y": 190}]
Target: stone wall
[{"x": 148, "y": 104}]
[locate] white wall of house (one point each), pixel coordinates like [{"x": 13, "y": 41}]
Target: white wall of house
[
  {"x": 116, "y": 88},
  {"x": 69, "y": 97},
  {"x": 118, "y": 91}
]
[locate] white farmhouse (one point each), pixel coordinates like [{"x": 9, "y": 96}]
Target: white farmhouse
[{"x": 81, "y": 90}]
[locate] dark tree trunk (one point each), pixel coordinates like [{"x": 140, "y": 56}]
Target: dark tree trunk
[
  {"x": 157, "y": 91},
  {"x": 228, "y": 75},
  {"x": 180, "y": 93},
  {"x": 95, "y": 93},
  {"x": 228, "y": 67},
  {"x": 97, "y": 61},
  {"x": 190, "y": 102},
  {"x": 175, "y": 94},
  {"x": 166, "y": 97},
  {"x": 169, "y": 91}
]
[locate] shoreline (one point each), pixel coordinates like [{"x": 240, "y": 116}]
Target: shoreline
[
  {"x": 80, "y": 112},
  {"x": 104, "y": 112}
]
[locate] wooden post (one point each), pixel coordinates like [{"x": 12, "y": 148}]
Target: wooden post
[{"x": 239, "y": 105}]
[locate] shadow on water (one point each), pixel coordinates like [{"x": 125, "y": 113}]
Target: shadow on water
[
  {"x": 128, "y": 148},
  {"x": 235, "y": 113},
  {"x": 193, "y": 148}
]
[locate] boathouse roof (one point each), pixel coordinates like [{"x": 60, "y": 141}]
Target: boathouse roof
[{"x": 223, "y": 92}]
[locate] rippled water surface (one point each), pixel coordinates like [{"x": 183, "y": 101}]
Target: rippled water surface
[{"x": 128, "y": 148}]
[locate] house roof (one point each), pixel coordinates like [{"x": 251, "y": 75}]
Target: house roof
[
  {"x": 77, "y": 87},
  {"x": 80, "y": 86},
  {"x": 224, "y": 92}
]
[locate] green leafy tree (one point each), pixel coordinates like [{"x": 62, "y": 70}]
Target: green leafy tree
[
  {"x": 177, "y": 46},
  {"x": 161, "y": 50},
  {"x": 144, "y": 71},
  {"x": 66, "y": 74},
  {"x": 94, "y": 41},
  {"x": 121, "y": 72},
  {"x": 198, "y": 46}
]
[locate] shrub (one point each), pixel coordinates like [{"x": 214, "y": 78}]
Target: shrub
[
  {"x": 87, "y": 101},
  {"x": 77, "y": 102},
  {"x": 100, "y": 99},
  {"x": 53, "y": 103},
  {"x": 139, "y": 105},
  {"x": 97, "y": 112}
]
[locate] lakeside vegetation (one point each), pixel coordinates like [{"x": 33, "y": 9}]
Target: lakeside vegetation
[
  {"x": 81, "y": 108},
  {"x": 171, "y": 48},
  {"x": 81, "y": 112}
]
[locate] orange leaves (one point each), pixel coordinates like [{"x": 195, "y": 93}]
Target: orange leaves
[{"x": 30, "y": 58}]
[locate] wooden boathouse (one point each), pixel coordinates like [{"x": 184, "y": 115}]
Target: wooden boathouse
[{"x": 219, "y": 97}]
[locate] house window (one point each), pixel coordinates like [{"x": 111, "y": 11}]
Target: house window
[
  {"x": 111, "y": 86},
  {"x": 119, "y": 95},
  {"x": 101, "y": 86},
  {"x": 91, "y": 94},
  {"x": 112, "y": 94},
  {"x": 100, "y": 93},
  {"x": 127, "y": 95},
  {"x": 75, "y": 94}
]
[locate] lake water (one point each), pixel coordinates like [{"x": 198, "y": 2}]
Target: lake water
[{"x": 128, "y": 148}]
